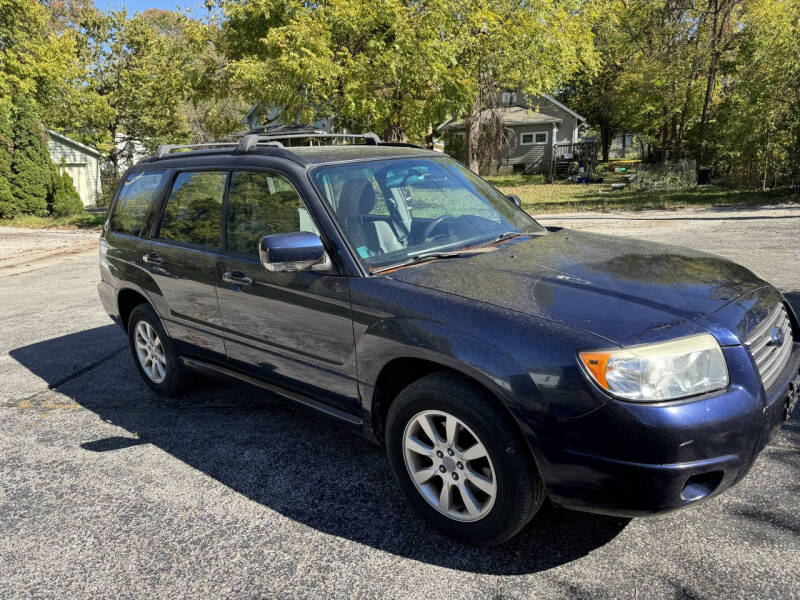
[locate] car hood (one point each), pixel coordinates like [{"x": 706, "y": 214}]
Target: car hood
[{"x": 622, "y": 289}]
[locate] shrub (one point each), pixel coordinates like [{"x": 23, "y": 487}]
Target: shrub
[
  {"x": 32, "y": 171},
  {"x": 66, "y": 200},
  {"x": 6, "y": 149}
]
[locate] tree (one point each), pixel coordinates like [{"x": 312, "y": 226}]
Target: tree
[
  {"x": 66, "y": 200},
  {"x": 397, "y": 66},
  {"x": 139, "y": 75},
  {"x": 37, "y": 60},
  {"x": 532, "y": 46},
  {"x": 6, "y": 150},
  {"x": 32, "y": 171},
  {"x": 597, "y": 95},
  {"x": 369, "y": 65},
  {"x": 754, "y": 136}
]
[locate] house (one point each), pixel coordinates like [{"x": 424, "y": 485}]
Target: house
[
  {"x": 82, "y": 163},
  {"x": 544, "y": 132}
]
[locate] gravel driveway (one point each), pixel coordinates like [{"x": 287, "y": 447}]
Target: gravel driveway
[{"x": 106, "y": 492}]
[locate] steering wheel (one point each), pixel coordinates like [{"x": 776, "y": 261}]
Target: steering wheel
[{"x": 434, "y": 224}]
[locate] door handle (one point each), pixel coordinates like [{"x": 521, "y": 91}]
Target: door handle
[
  {"x": 237, "y": 277},
  {"x": 152, "y": 259}
]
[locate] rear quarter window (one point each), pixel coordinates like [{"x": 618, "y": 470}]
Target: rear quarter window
[{"x": 134, "y": 200}]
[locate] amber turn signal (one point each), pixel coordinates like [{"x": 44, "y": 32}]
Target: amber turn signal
[{"x": 595, "y": 363}]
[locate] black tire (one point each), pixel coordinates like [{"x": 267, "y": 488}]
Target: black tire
[
  {"x": 519, "y": 489},
  {"x": 176, "y": 378}
]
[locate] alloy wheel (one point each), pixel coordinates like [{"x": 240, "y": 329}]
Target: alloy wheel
[
  {"x": 150, "y": 352},
  {"x": 449, "y": 465}
]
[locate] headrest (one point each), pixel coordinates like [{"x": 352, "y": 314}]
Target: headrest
[{"x": 356, "y": 198}]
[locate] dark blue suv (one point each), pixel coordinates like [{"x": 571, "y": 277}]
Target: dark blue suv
[{"x": 498, "y": 361}]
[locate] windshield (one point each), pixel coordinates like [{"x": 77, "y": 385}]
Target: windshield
[{"x": 393, "y": 210}]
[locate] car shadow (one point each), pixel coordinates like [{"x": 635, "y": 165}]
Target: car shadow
[{"x": 293, "y": 462}]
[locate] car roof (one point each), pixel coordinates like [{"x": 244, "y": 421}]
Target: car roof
[{"x": 304, "y": 156}]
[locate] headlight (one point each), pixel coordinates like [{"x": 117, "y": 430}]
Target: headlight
[{"x": 664, "y": 371}]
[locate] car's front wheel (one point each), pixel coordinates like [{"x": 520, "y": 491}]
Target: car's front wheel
[
  {"x": 461, "y": 461},
  {"x": 154, "y": 352}
]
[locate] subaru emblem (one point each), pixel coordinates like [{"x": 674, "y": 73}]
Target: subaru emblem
[{"x": 776, "y": 337}]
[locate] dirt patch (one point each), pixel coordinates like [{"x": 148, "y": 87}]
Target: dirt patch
[{"x": 28, "y": 249}]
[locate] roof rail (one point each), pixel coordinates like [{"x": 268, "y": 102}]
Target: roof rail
[
  {"x": 251, "y": 140},
  {"x": 165, "y": 149}
]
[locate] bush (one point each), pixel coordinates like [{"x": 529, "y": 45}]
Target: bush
[
  {"x": 66, "y": 200},
  {"x": 6, "y": 149},
  {"x": 669, "y": 176},
  {"x": 32, "y": 171}
]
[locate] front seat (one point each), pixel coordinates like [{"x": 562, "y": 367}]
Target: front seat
[{"x": 369, "y": 236}]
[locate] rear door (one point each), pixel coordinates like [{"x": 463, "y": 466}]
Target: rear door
[
  {"x": 124, "y": 241},
  {"x": 183, "y": 260},
  {"x": 294, "y": 329}
]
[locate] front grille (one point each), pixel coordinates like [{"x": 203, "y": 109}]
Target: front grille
[{"x": 771, "y": 358}]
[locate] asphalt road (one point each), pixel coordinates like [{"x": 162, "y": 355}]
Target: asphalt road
[{"x": 106, "y": 492}]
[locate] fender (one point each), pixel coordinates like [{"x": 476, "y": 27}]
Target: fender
[{"x": 522, "y": 357}]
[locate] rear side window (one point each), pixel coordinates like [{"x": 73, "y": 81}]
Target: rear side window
[
  {"x": 193, "y": 213},
  {"x": 262, "y": 204},
  {"x": 135, "y": 198}
]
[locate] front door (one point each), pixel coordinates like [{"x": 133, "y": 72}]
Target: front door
[
  {"x": 183, "y": 261},
  {"x": 293, "y": 329}
]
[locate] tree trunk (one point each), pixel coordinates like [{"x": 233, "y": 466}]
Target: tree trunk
[
  {"x": 113, "y": 155},
  {"x": 766, "y": 162},
  {"x": 473, "y": 126},
  {"x": 473, "y": 133},
  {"x": 717, "y": 29},
  {"x": 429, "y": 137},
  {"x": 606, "y": 135},
  {"x": 393, "y": 132}
]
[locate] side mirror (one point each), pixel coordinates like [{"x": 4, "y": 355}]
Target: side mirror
[
  {"x": 515, "y": 199},
  {"x": 301, "y": 251}
]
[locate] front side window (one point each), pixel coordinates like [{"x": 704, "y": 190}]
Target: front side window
[
  {"x": 194, "y": 209},
  {"x": 431, "y": 205},
  {"x": 134, "y": 200},
  {"x": 262, "y": 204}
]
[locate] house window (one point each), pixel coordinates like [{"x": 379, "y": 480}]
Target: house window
[
  {"x": 528, "y": 139},
  {"x": 509, "y": 97}
]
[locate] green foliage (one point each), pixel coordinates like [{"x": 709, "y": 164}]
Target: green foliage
[
  {"x": 6, "y": 150},
  {"x": 32, "y": 171},
  {"x": 35, "y": 60},
  {"x": 717, "y": 80},
  {"x": 66, "y": 200},
  {"x": 140, "y": 70},
  {"x": 754, "y": 140},
  {"x": 395, "y": 67}
]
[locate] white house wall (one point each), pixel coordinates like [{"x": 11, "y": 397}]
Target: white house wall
[{"x": 75, "y": 158}]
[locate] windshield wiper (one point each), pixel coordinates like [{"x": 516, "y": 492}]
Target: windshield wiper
[
  {"x": 506, "y": 235},
  {"x": 422, "y": 257}
]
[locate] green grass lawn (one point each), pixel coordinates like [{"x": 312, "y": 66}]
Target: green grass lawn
[
  {"x": 539, "y": 197},
  {"x": 84, "y": 220}
]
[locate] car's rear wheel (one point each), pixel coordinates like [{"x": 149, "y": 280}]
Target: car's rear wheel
[
  {"x": 461, "y": 461},
  {"x": 154, "y": 352}
]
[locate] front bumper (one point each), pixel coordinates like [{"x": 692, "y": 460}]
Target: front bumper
[{"x": 662, "y": 457}]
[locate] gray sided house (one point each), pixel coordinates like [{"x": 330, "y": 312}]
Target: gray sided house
[
  {"x": 82, "y": 163},
  {"x": 545, "y": 132}
]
